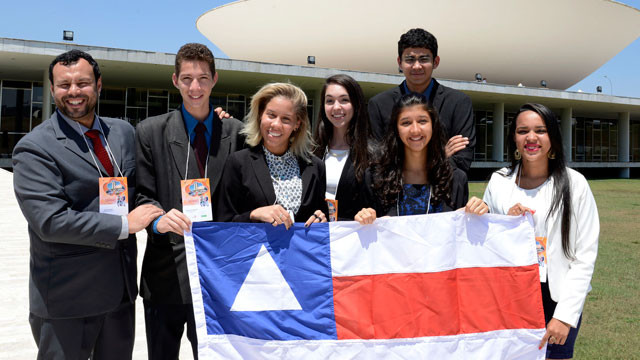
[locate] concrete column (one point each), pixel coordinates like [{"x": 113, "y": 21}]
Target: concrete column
[
  {"x": 498, "y": 132},
  {"x": 46, "y": 96},
  {"x": 623, "y": 141},
  {"x": 565, "y": 129}
]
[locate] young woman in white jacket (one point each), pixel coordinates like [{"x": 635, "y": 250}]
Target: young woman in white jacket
[{"x": 565, "y": 218}]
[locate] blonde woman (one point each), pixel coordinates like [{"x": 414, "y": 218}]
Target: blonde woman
[{"x": 277, "y": 180}]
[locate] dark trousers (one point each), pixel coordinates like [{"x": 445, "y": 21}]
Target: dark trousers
[
  {"x": 164, "y": 327},
  {"x": 107, "y": 336}
]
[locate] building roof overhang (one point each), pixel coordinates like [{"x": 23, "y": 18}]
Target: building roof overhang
[
  {"x": 29, "y": 60},
  {"x": 508, "y": 42}
]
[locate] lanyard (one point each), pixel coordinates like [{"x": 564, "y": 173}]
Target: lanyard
[{"x": 109, "y": 153}]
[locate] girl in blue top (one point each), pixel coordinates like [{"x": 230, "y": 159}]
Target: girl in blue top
[{"x": 412, "y": 174}]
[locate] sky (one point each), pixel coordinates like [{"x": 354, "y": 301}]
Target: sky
[{"x": 164, "y": 26}]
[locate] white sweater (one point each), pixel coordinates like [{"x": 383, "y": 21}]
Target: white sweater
[{"x": 569, "y": 280}]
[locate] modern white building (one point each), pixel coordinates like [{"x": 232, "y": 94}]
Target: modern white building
[{"x": 601, "y": 132}]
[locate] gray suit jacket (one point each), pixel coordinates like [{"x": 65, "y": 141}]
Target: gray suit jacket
[
  {"x": 161, "y": 145},
  {"x": 78, "y": 267}
]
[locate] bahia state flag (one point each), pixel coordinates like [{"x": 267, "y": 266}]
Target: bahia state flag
[{"x": 441, "y": 286}]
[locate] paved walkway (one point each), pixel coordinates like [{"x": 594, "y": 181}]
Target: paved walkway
[{"x": 16, "y": 341}]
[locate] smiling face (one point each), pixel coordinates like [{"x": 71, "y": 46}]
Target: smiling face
[
  {"x": 531, "y": 137},
  {"x": 417, "y": 65},
  {"x": 337, "y": 106},
  {"x": 75, "y": 91},
  {"x": 277, "y": 122},
  {"x": 414, "y": 128},
  {"x": 195, "y": 82}
]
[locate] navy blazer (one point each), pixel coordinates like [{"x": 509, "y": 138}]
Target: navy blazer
[
  {"x": 162, "y": 144},
  {"x": 454, "y": 110},
  {"x": 246, "y": 185},
  {"x": 78, "y": 266}
]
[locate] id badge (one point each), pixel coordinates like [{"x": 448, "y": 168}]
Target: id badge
[
  {"x": 114, "y": 195},
  {"x": 541, "y": 248},
  {"x": 196, "y": 199},
  {"x": 332, "y": 204}
]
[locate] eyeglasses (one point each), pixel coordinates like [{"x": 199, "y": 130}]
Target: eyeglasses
[{"x": 423, "y": 60}]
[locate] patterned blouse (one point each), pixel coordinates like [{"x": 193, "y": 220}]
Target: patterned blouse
[
  {"x": 286, "y": 179},
  {"x": 413, "y": 200}
]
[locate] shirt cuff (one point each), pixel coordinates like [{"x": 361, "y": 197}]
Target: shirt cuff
[
  {"x": 155, "y": 224},
  {"x": 124, "y": 231}
]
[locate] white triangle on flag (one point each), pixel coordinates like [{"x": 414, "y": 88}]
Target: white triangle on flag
[{"x": 265, "y": 288}]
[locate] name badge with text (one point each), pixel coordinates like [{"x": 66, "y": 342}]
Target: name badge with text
[
  {"x": 114, "y": 195},
  {"x": 332, "y": 204},
  {"x": 196, "y": 199}
]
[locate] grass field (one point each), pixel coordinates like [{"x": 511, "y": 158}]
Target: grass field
[{"x": 611, "y": 318}]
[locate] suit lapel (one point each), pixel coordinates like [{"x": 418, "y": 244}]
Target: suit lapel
[
  {"x": 348, "y": 174},
  {"x": 74, "y": 142},
  {"x": 218, "y": 150},
  {"x": 263, "y": 176},
  {"x": 179, "y": 143},
  {"x": 306, "y": 172},
  {"x": 436, "y": 96}
]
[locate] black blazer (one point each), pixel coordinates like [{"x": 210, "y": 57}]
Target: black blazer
[
  {"x": 246, "y": 185},
  {"x": 350, "y": 192},
  {"x": 459, "y": 195},
  {"x": 161, "y": 149},
  {"x": 454, "y": 109},
  {"x": 78, "y": 267}
]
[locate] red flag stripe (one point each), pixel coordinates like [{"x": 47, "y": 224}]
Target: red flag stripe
[{"x": 459, "y": 301}]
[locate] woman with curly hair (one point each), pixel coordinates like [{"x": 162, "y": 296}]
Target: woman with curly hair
[
  {"x": 412, "y": 174},
  {"x": 342, "y": 135}
]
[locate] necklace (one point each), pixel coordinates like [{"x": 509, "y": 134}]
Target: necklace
[{"x": 337, "y": 153}]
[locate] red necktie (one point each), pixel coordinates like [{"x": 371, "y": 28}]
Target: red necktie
[
  {"x": 100, "y": 151},
  {"x": 200, "y": 146}
]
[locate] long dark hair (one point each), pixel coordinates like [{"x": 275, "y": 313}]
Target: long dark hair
[
  {"x": 358, "y": 129},
  {"x": 557, "y": 168},
  {"x": 387, "y": 168}
]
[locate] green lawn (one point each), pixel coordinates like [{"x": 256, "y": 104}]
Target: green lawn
[{"x": 611, "y": 318}]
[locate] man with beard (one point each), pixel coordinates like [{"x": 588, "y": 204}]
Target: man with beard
[{"x": 82, "y": 275}]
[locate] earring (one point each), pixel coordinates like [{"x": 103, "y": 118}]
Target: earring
[
  {"x": 551, "y": 155},
  {"x": 517, "y": 155}
]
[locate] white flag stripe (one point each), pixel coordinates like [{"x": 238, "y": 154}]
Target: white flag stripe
[
  {"x": 501, "y": 344},
  {"x": 400, "y": 244}
]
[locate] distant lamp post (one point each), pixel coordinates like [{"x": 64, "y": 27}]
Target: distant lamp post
[
  {"x": 67, "y": 35},
  {"x": 478, "y": 77},
  {"x": 543, "y": 83},
  {"x": 311, "y": 60},
  {"x": 599, "y": 89},
  {"x": 610, "y": 85}
]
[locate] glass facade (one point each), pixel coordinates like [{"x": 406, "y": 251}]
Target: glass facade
[
  {"x": 594, "y": 140},
  {"x": 484, "y": 136},
  {"x": 22, "y": 107},
  {"x": 20, "y": 111}
]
